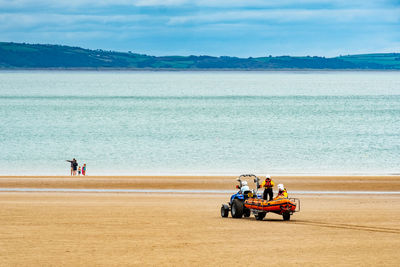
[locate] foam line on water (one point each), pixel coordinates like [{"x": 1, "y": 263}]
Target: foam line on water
[{"x": 196, "y": 191}]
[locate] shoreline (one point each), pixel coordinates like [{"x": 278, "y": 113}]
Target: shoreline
[
  {"x": 292, "y": 183},
  {"x": 207, "y": 176},
  {"x": 194, "y": 175},
  {"x": 182, "y": 191}
]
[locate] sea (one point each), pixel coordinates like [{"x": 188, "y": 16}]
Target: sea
[{"x": 200, "y": 122}]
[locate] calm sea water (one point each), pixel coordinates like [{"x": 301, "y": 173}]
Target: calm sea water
[{"x": 200, "y": 122}]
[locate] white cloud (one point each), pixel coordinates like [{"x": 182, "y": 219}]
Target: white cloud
[
  {"x": 269, "y": 3},
  {"x": 160, "y": 2},
  {"x": 261, "y": 17},
  {"x": 24, "y": 20},
  {"x": 205, "y": 25},
  {"x": 225, "y": 4},
  {"x": 293, "y": 15}
]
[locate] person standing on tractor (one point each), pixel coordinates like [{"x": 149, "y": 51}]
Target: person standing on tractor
[
  {"x": 282, "y": 192},
  {"x": 268, "y": 184}
]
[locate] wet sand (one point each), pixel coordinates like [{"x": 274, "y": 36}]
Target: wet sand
[
  {"x": 292, "y": 183},
  {"x": 80, "y": 229}
]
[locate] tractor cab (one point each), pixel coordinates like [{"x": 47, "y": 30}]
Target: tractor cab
[{"x": 236, "y": 203}]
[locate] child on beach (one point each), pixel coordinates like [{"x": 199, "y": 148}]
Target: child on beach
[
  {"x": 84, "y": 169},
  {"x": 79, "y": 170}
]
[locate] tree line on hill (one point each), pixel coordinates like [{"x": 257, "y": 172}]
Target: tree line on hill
[{"x": 39, "y": 56}]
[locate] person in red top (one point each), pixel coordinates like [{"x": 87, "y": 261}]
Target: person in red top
[
  {"x": 268, "y": 184},
  {"x": 84, "y": 169}
]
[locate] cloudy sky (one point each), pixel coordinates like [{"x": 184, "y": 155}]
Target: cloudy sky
[{"x": 208, "y": 27}]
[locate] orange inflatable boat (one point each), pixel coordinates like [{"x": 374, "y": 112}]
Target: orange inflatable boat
[
  {"x": 247, "y": 202},
  {"x": 279, "y": 205}
]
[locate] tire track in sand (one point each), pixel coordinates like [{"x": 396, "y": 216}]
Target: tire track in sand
[{"x": 350, "y": 227}]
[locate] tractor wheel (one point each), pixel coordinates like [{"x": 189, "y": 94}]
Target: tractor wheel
[
  {"x": 260, "y": 216},
  {"x": 224, "y": 210},
  {"x": 246, "y": 212},
  {"x": 237, "y": 208},
  {"x": 286, "y": 216}
]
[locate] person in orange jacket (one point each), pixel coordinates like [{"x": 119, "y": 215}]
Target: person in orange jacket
[
  {"x": 267, "y": 184},
  {"x": 282, "y": 192}
]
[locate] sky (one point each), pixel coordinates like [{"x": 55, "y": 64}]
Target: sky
[{"x": 243, "y": 28}]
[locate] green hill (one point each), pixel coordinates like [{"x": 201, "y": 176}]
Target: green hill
[
  {"x": 379, "y": 61},
  {"x": 33, "y": 56}
]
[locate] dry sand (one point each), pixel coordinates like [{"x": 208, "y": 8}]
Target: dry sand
[{"x": 186, "y": 229}]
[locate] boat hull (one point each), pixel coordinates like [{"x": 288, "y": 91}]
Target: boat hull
[{"x": 280, "y": 205}]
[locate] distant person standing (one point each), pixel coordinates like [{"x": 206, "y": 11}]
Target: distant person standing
[
  {"x": 84, "y": 169},
  {"x": 74, "y": 166},
  {"x": 79, "y": 170}
]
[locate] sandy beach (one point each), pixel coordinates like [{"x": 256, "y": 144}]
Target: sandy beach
[
  {"x": 292, "y": 183},
  {"x": 176, "y": 229}
]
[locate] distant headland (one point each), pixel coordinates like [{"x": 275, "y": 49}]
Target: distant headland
[{"x": 45, "y": 56}]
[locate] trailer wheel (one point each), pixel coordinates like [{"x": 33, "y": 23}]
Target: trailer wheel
[
  {"x": 237, "y": 209},
  {"x": 286, "y": 216},
  {"x": 224, "y": 210},
  {"x": 246, "y": 213},
  {"x": 260, "y": 216}
]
